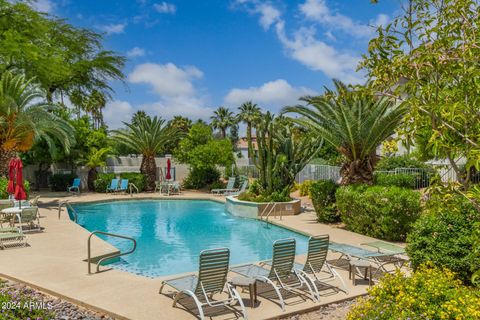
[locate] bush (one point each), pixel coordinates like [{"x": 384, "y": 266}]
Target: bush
[
  {"x": 137, "y": 178},
  {"x": 398, "y": 180},
  {"x": 217, "y": 185},
  {"x": 3, "y": 188},
  {"x": 305, "y": 188},
  {"x": 381, "y": 212},
  {"x": 200, "y": 178},
  {"x": 392, "y": 163},
  {"x": 103, "y": 180},
  {"x": 323, "y": 199},
  {"x": 274, "y": 196},
  {"x": 430, "y": 293},
  {"x": 60, "y": 181},
  {"x": 444, "y": 236}
]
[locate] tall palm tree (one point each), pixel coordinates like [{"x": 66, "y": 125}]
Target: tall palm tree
[
  {"x": 354, "y": 123},
  {"x": 95, "y": 158},
  {"x": 222, "y": 119},
  {"x": 249, "y": 114},
  {"x": 25, "y": 118},
  {"x": 147, "y": 136}
]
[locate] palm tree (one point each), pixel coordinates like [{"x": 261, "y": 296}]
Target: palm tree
[
  {"x": 249, "y": 113},
  {"x": 147, "y": 136},
  {"x": 96, "y": 158},
  {"x": 25, "y": 118},
  {"x": 353, "y": 122},
  {"x": 222, "y": 119}
]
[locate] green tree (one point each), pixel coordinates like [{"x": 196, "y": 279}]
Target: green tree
[
  {"x": 183, "y": 125},
  {"x": 149, "y": 138},
  {"x": 355, "y": 123},
  {"x": 427, "y": 58},
  {"x": 223, "y": 119},
  {"x": 96, "y": 158},
  {"x": 249, "y": 113},
  {"x": 26, "y": 118}
]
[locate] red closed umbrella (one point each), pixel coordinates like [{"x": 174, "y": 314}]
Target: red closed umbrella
[
  {"x": 11, "y": 176},
  {"x": 168, "y": 176},
  {"x": 19, "y": 188}
]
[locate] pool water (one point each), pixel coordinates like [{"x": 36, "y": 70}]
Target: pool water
[{"x": 171, "y": 233}]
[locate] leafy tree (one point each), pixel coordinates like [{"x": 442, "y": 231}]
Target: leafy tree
[
  {"x": 96, "y": 158},
  {"x": 65, "y": 60},
  {"x": 223, "y": 119},
  {"x": 148, "y": 137},
  {"x": 353, "y": 122},
  {"x": 183, "y": 125},
  {"x": 249, "y": 113},
  {"x": 427, "y": 58},
  {"x": 26, "y": 118}
]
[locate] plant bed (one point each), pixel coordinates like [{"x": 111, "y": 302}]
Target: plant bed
[{"x": 248, "y": 209}]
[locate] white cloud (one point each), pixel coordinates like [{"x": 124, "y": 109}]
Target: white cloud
[
  {"x": 167, "y": 79},
  {"x": 113, "y": 28},
  {"x": 269, "y": 15},
  {"x": 136, "y": 52},
  {"x": 43, "y": 6},
  {"x": 116, "y": 112},
  {"x": 382, "y": 20},
  {"x": 276, "y": 94},
  {"x": 165, "y": 7}
]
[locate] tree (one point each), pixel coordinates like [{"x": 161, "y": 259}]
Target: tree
[
  {"x": 148, "y": 136},
  {"x": 65, "y": 60},
  {"x": 183, "y": 125},
  {"x": 355, "y": 123},
  {"x": 427, "y": 58},
  {"x": 26, "y": 118},
  {"x": 96, "y": 158},
  {"x": 249, "y": 113},
  {"x": 222, "y": 120}
]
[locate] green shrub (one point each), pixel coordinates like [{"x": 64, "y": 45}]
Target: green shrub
[
  {"x": 60, "y": 181},
  {"x": 200, "y": 178},
  {"x": 430, "y": 293},
  {"x": 381, "y": 212},
  {"x": 217, "y": 185},
  {"x": 137, "y": 178},
  {"x": 3, "y": 187},
  {"x": 399, "y": 180},
  {"x": 274, "y": 196},
  {"x": 103, "y": 180},
  {"x": 323, "y": 199},
  {"x": 305, "y": 188},
  {"x": 392, "y": 163},
  {"x": 444, "y": 236}
]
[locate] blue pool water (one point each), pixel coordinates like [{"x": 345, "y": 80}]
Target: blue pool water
[{"x": 171, "y": 233}]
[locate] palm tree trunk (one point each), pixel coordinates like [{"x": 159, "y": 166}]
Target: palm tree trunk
[
  {"x": 357, "y": 171},
  {"x": 249, "y": 140},
  {"x": 5, "y": 157},
  {"x": 149, "y": 169},
  {"x": 92, "y": 176},
  {"x": 224, "y": 132}
]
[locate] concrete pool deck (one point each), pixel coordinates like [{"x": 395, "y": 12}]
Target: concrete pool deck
[{"x": 54, "y": 263}]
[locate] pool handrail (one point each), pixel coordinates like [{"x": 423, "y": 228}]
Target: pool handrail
[
  {"x": 115, "y": 255},
  {"x": 68, "y": 206}
]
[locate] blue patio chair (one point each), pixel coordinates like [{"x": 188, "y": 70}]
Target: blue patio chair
[
  {"x": 123, "y": 186},
  {"x": 113, "y": 186},
  {"x": 75, "y": 187}
]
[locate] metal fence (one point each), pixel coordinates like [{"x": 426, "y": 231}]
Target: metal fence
[
  {"x": 421, "y": 176},
  {"x": 318, "y": 172}
]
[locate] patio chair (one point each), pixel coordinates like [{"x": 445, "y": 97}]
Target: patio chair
[
  {"x": 242, "y": 189},
  {"x": 281, "y": 274},
  {"x": 316, "y": 269},
  {"x": 211, "y": 279},
  {"x": 123, "y": 187},
  {"x": 34, "y": 201},
  {"x": 11, "y": 237},
  {"x": 75, "y": 187},
  {"x": 29, "y": 216},
  {"x": 229, "y": 188},
  {"x": 4, "y": 204},
  {"x": 113, "y": 186}
]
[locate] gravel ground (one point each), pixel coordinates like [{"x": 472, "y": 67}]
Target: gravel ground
[
  {"x": 62, "y": 309},
  {"x": 333, "y": 311}
]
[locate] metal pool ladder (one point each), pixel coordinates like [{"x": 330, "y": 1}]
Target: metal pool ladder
[
  {"x": 116, "y": 255},
  {"x": 273, "y": 206},
  {"x": 68, "y": 206}
]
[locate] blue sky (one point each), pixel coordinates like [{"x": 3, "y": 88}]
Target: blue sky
[{"x": 189, "y": 57}]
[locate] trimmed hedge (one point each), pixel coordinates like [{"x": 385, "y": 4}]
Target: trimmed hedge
[
  {"x": 323, "y": 199},
  {"x": 380, "y": 212},
  {"x": 398, "y": 180},
  {"x": 4, "y": 184},
  {"x": 104, "y": 179},
  {"x": 444, "y": 235},
  {"x": 60, "y": 181}
]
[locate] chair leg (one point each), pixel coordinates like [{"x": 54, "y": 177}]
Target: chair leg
[{"x": 270, "y": 282}]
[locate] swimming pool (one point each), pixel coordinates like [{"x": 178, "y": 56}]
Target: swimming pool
[{"x": 171, "y": 233}]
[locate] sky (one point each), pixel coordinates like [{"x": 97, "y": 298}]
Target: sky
[{"x": 188, "y": 57}]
